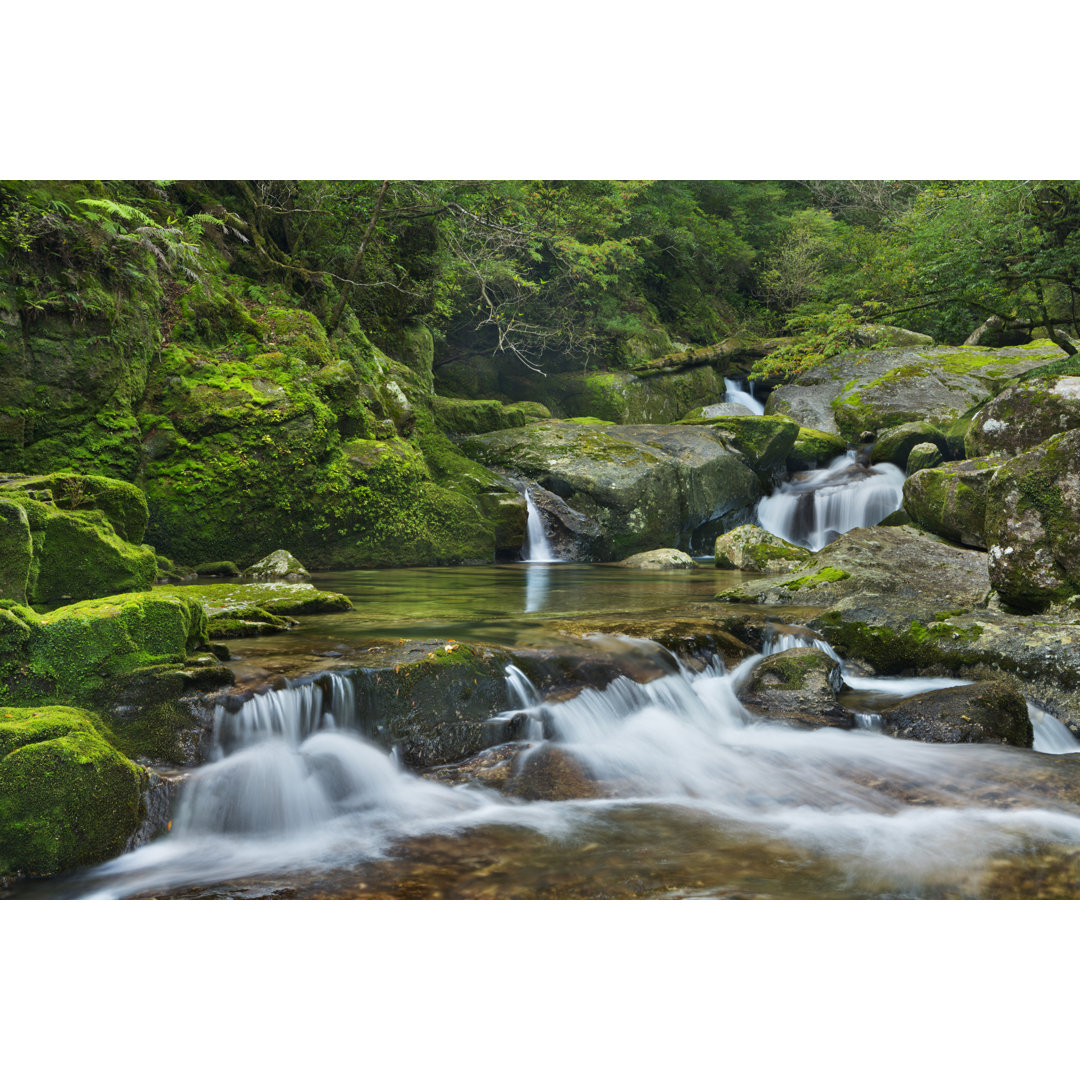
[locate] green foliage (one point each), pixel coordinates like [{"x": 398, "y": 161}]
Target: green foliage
[{"x": 817, "y": 338}]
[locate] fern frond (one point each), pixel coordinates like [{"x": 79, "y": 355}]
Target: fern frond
[{"x": 118, "y": 210}]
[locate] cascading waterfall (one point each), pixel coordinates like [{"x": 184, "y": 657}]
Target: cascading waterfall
[
  {"x": 537, "y": 547},
  {"x": 813, "y": 508},
  {"x": 736, "y": 395},
  {"x": 293, "y": 784}
]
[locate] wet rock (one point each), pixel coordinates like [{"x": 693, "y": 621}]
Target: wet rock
[
  {"x": 551, "y": 774},
  {"x": 573, "y": 536},
  {"x": 492, "y": 768},
  {"x": 279, "y": 565},
  {"x": 752, "y": 548},
  {"x": 721, "y": 408},
  {"x": 644, "y": 486},
  {"x": 896, "y": 444},
  {"x": 923, "y": 456},
  {"x": 763, "y": 441},
  {"x": 660, "y": 559},
  {"x": 16, "y": 551},
  {"x": 814, "y": 449},
  {"x": 883, "y": 388},
  {"x": 1023, "y": 416},
  {"x": 1033, "y": 524},
  {"x": 994, "y": 712},
  {"x": 950, "y": 500},
  {"x": 797, "y": 686}
]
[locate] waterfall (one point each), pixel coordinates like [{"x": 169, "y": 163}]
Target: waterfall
[
  {"x": 1051, "y": 735},
  {"x": 295, "y": 787},
  {"x": 814, "y": 508},
  {"x": 537, "y": 547},
  {"x": 736, "y": 395}
]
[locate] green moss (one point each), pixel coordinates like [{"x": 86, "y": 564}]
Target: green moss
[
  {"x": 123, "y": 504},
  {"x": 67, "y": 798},
  {"x": 585, "y": 420},
  {"x": 475, "y": 417},
  {"x": 812, "y": 581},
  {"x": 218, "y": 569},
  {"x": 915, "y": 647}
]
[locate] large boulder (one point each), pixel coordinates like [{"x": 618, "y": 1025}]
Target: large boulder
[
  {"x": 660, "y": 559},
  {"x": 950, "y": 500},
  {"x": 924, "y": 455},
  {"x": 1023, "y": 416},
  {"x": 722, "y": 408},
  {"x": 646, "y": 486},
  {"x": 279, "y": 565},
  {"x": 993, "y": 712},
  {"x": 813, "y": 449},
  {"x": 16, "y": 551},
  {"x": 763, "y": 441},
  {"x": 1033, "y": 524},
  {"x": 882, "y": 388},
  {"x": 67, "y": 798},
  {"x": 752, "y": 548}
]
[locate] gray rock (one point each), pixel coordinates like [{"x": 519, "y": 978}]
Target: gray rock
[
  {"x": 950, "y": 500},
  {"x": 883, "y": 388},
  {"x": 896, "y": 444},
  {"x": 722, "y": 408},
  {"x": 984, "y": 712},
  {"x": 660, "y": 559},
  {"x": 277, "y": 566},
  {"x": 1033, "y": 524},
  {"x": 923, "y": 456},
  {"x": 797, "y": 687},
  {"x": 645, "y": 486},
  {"x": 752, "y": 548},
  {"x": 1023, "y": 416}
]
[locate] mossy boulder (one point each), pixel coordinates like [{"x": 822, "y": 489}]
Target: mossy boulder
[
  {"x": 78, "y": 555},
  {"x": 646, "y": 486},
  {"x": 950, "y": 499},
  {"x": 763, "y": 441},
  {"x": 751, "y": 548},
  {"x": 16, "y": 551},
  {"x": 813, "y": 449},
  {"x": 224, "y": 568},
  {"x": 883, "y": 388},
  {"x": 123, "y": 504},
  {"x": 923, "y": 456},
  {"x": 1023, "y": 416},
  {"x": 464, "y": 417},
  {"x": 798, "y": 687},
  {"x": 985, "y": 712},
  {"x": 67, "y": 798},
  {"x": 279, "y": 565},
  {"x": 1033, "y": 524},
  {"x": 660, "y": 559},
  {"x": 881, "y": 335},
  {"x": 895, "y": 445}
]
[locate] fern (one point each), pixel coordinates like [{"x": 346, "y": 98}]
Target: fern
[{"x": 112, "y": 209}]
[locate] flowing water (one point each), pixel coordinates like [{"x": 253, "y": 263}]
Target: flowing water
[
  {"x": 736, "y": 395},
  {"x": 537, "y": 547},
  {"x": 813, "y": 508},
  {"x": 666, "y": 788}
]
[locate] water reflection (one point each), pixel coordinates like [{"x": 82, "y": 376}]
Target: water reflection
[{"x": 536, "y": 587}]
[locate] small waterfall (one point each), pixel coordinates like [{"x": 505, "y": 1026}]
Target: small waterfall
[
  {"x": 537, "y": 547},
  {"x": 736, "y": 395},
  {"x": 814, "y": 508},
  {"x": 1051, "y": 735}
]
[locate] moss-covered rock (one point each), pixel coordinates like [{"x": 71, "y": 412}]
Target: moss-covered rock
[
  {"x": 813, "y": 449},
  {"x": 279, "y": 565},
  {"x": 881, "y": 335},
  {"x": 67, "y": 798},
  {"x": 1033, "y": 524},
  {"x": 985, "y": 712},
  {"x": 950, "y": 500},
  {"x": 923, "y": 456},
  {"x": 798, "y": 687},
  {"x": 1024, "y": 415},
  {"x": 123, "y": 504},
  {"x": 464, "y": 417},
  {"x": 749, "y": 547},
  {"x": 896, "y": 444},
  {"x": 646, "y": 486},
  {"x": 660, "y": 559},
  {"x": 883, "y": 388},
  {"x": 218, "y": 569},
  {"x": 722, "y": 408},
  {"x": 16, "y": 551},
  {"x": 764, "y": 441},
  {"x": 78, "y": 555}
]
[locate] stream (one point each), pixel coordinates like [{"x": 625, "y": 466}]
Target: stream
[{"x": 677, "y": 789}]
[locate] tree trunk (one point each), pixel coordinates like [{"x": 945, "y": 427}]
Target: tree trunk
[{"x": 358, "y": 261}]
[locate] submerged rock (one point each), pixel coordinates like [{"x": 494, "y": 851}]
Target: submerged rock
[
  {"x": 551, "y": 774},
  {"x": 1023, "y": 416},
  {"x": 660, "y": 559},
  {"x": 752, "y": 548},
  {"x": 993, "y": 712},
  {"x": 279, "y": 565}
]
